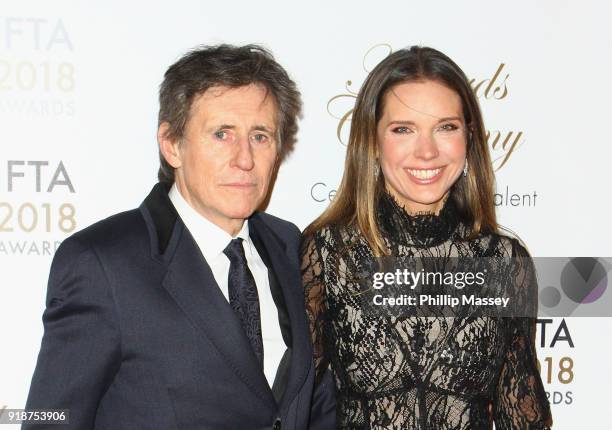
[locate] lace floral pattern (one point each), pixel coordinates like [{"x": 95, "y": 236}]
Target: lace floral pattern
[{"x": 394, "y": 372}]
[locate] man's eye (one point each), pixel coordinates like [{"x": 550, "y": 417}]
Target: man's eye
[
  {"x": 260, "y": 138},
  {"x": 221, "y": 135}
]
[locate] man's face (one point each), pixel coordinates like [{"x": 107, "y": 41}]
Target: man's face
[{"x": 225, "y": 160}]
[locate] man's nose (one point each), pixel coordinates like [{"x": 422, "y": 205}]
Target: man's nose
[{"x": 243, "y": 156}]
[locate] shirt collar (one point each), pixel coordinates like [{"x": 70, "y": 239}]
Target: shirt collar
[{"x": 210, "y": 238}]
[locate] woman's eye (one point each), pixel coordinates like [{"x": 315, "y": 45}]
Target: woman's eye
[
  {"x": 449, "y": 127},
  {"x": 401, "y": 130}
]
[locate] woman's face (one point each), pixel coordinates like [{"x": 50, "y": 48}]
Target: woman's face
[{"x": 421, "y": 143}]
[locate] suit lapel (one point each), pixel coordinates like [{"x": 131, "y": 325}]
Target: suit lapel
[
  {"x": 190, "y": 282},
  {"x": 289, "y": 281}
]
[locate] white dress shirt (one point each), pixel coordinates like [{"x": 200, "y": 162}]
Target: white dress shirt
[{"x": 212, "y": 240}]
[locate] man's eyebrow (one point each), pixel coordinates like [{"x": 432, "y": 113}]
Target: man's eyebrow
[
  {"x": 263, "y": 128},
  {"x": 223, "y": 126},
  {"x": 259, "y": 127}
]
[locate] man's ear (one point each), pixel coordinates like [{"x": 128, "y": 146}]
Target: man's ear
[{"x": 169, "y": 148}]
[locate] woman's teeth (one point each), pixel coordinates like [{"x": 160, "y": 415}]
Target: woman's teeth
[{"x": 424, "y": 174}]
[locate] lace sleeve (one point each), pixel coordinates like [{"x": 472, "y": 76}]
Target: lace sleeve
[
  {"x": 314, "y": 291},
  {"x": 520, "y": 402}
]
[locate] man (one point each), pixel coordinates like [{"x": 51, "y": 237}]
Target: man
[{"x": 188, "y": 313}]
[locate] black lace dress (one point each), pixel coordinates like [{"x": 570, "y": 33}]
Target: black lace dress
[{"x": 416, "y": 372}]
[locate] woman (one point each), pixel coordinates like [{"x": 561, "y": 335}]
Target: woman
[{"x": 418, "y": 183}]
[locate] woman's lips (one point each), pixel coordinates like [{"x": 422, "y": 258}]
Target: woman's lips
[{"x": 424, "y": 176}]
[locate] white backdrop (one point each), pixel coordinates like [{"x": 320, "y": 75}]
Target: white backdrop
[{"x": 78, "y": 106}]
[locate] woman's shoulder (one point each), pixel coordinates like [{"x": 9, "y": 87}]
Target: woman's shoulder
[
  {"x": 333, "y": 234},
  {"x": 334, "y": 240},
  {"x": 506, "y": 242},
  {"x": 315, "y": 240}
]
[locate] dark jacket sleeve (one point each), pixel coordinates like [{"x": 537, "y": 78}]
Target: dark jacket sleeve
[
  {"x": 323, "y": 409},
  {"x": 323, "y": 402},
  {"x": 80, "y": 350}
]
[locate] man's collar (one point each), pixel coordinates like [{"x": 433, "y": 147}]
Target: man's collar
[
  {"x": 211, "y": 238},
  {"x": 162, "y": 214}
]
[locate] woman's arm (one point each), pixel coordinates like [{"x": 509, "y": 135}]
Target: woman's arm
[
  {"x": 520, "y": 401},
  {"x": 314, "y": 292},
  {"x": 323, "y": 412}
]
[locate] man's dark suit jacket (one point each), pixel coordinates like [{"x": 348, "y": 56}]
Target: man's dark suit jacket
[{"x": 138, "y": 334}]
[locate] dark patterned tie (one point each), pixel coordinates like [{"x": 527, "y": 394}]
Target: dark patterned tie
[{"x": 243, "y": 296}]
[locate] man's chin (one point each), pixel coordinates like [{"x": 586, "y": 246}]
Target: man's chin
[{"x": 240, "y": 213}]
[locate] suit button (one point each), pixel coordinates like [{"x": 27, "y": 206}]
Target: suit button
[{"x": 277, "y": 424}]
